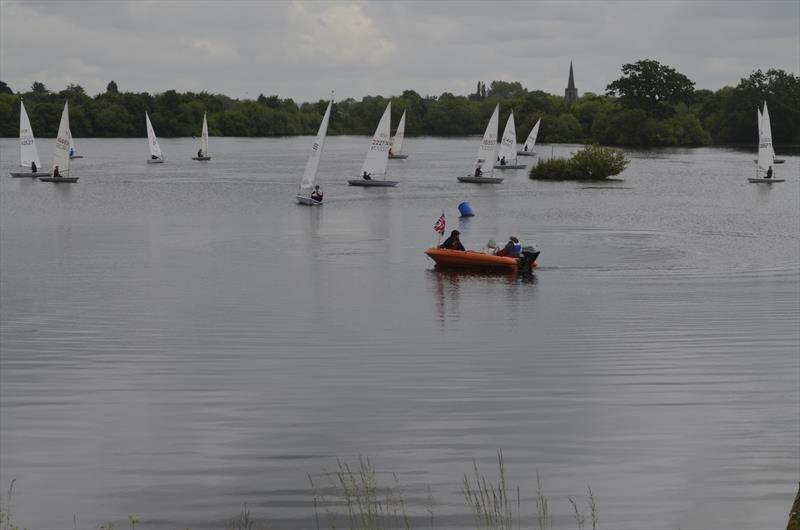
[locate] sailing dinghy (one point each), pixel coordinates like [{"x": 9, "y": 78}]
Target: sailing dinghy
[
  {"x": 507, "y": 152},
  {"x": 527, "y": 147},
  {"x": 766, "y": 155},
  {"x": 27, "y": 148},
  {"x": 484, "y": 164},
  {"x": 155, "y": 150},
  {"x": 758, "y": 119},
  {"x": 61, "y": 156},
  {"x": 377, "y": 156},
  {"x": 396, "y": 149},
  {"x": 73, "y": 151},
  {"x": 304, "y": 194},
  {"x": 203, "y": 154}
]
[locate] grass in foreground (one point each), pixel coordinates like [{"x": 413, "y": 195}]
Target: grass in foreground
[{"x": 354, "y": 499}]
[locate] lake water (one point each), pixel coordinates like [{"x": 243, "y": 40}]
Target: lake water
[{"x": 178, "y": 340}]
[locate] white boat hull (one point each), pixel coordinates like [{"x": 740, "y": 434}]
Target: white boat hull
[
  {"x": 36, "y": 175},
  {"x": 155, "y": 161},
  {"x": 511, "y": 166},
  {"x": 526, "y": 153},
  {"x": 481, "y": 180},
  {"x": 764, "y": 181},
  {"x": 373, "y": 183},
  {"x": 307, "y": 201}
]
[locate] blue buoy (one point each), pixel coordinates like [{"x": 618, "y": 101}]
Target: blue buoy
[{"x": 465, "y": 210}]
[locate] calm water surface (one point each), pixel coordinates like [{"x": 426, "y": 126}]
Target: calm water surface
[{"x": 180, "y": 339}]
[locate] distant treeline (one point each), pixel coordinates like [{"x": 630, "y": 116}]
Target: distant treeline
[{"x": 650, "y": 105}]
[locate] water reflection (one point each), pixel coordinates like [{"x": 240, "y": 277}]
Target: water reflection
[{"x": 448, "y": 284}]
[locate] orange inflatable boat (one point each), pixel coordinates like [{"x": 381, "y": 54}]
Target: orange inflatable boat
[{"x": 480, "y": 261}]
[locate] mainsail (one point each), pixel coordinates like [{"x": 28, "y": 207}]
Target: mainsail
[{"x": 378, "y": 154}]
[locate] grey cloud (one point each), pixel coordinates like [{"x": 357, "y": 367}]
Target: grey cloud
[{"x": 303, "y": 50}]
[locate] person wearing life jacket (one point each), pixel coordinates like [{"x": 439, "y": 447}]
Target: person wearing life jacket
[
  {"x": 513, "y": 248},
  {"x": 453, "y": 242},
  {"x": 33, "y": 166},
  {"x": 316, "y": 195}
]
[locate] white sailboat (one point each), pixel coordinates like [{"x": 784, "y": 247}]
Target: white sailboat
[
  {"x": 73, "y": 151},
  {"x": 28, "y": 154},
  {"x": 61, "y": 156},
  {"x": 304, "y": 194},
  {"x": 527, "y": 148},
  {"x": 759, "y": 118},
  {"x": 765, "y": 164},
  {"x": 155, "y": 150},
  {"x": 377, "y": 156},
  {"x": 203, "y": 154},
  {"x": 484, "y": 163},
  {"x": 396, "y": 149},
  {"x": 507, "y": 151}
]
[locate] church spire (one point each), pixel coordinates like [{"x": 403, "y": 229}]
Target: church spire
[{"x": 571, "y": 93}]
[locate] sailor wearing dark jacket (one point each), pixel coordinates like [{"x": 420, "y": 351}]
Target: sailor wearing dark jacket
[{"x": 453, "y": 242}]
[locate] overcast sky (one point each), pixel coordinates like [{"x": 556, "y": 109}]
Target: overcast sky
[{"x": 303, "y": 50}]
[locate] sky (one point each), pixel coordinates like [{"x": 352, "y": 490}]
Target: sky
[{"x": 304, "y": 50}]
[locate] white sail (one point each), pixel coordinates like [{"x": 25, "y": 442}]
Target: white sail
[
  {"x": 204, "y": 137},
  {"x": 397, "y": 141},
  {"x": 758, "y": 119},
  {"x": 531, "y": 141},
  {"x": 310, "y": 174},
  {"x": 378, "y": 153},
  {"x": 152, "y": 140},
  {"x": 61, "y": 156},
  {"x": 27, "y": 143},
  {"x": 486, "y": 152},
  {"x": 766, "y": 155},
  {"x": 508, "y": 144}
]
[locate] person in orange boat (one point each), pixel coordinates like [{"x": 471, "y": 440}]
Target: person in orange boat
[
  {"x": 512, "y": 249},
  {"x": 453, "y": 242}
]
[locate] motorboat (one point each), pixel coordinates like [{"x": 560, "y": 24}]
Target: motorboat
[{"x": 482, "y": 261}]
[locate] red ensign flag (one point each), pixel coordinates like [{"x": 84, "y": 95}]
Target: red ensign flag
[{"x": 439, "y": 226}]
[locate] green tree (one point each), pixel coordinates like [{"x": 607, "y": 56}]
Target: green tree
[
  {"x": 453, "y": 117},
  {"x": 652, "y": 87},
  {"x": 622, "y": 127},
  {"x": 5, "y": 89},
  {"x": 596, "y": 162},
  {"x": 593, "y": 162},
  {"x": 506, "y": 90}
]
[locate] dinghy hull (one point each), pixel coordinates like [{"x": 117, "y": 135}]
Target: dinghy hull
[
  {"x": 372, "y": 183},
  {"x": 481, "y": 180},
  {"x": 526, "y": 153},
  {"x": 201, "y": 158},
  {"x": 512, "y": 166},
  {"x": 159, "y": 161},
  {"x": 59, "y": 180},
  {"x": 37, "y": 175},
  {"x": 765, "y": 181},
  {"x": 398, "y": 157},
  {"x": 307, "y": 201}
]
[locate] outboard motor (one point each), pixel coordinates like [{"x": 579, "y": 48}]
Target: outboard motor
[{"x": 526, "y": 260}]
